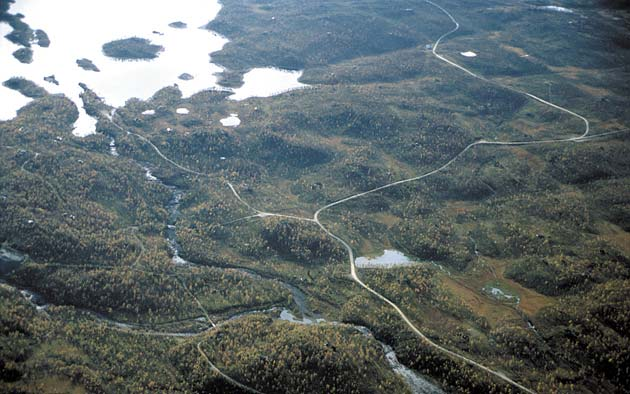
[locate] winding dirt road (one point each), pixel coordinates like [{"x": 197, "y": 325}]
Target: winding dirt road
[{"x": 583, "y": 137}]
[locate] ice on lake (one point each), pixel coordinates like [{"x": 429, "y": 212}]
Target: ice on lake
[
  {"x": 231, "y": 121},
  {"x": 389, "y": 259},
  {"x": 266, "y": 82},
  {"x": 72, "y": 38},
  {"x": 81, "y": 35}
]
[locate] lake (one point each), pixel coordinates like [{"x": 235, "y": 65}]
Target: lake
[
  {"x": 389, "y": 259},
  {"x": 187, "y": 51}
]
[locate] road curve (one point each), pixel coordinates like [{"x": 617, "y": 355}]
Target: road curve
[
  {"x": 467, "y": 71},
  {"x": 262, "y": 214}
]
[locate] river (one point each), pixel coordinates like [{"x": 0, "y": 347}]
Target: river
[{"x": 416, "y": 382}]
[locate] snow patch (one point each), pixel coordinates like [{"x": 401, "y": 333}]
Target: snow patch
[{"x": 231, "y": 121}]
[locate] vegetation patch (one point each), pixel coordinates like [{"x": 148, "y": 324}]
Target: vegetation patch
[
  {"x": 24, "y": 55},
  {"x": 261, "y": 345},
  {"x": 134, "y": 48},
  {"x": 26, "y": 87},
  {"x": 87, "y": 65}
]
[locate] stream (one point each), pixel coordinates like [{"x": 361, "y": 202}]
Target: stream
[
  {"x": 173, "y": 205},
  {"x": 172, "y": 208},
  {"x": 112, "y": 147},
  {"x": 35, "y": 299},
  {"x": 416, "y": 382},
  {"x": 10, "y": 259}
]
